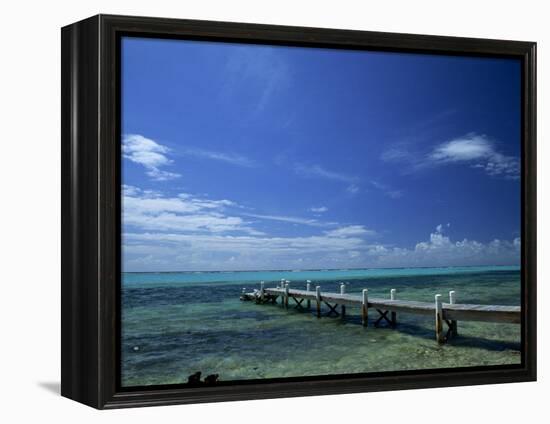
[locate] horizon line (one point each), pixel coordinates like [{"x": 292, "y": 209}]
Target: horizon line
[{"x": 320, "y": 269}]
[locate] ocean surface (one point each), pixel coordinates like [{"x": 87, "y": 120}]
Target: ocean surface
[{"x": 174, "y": 324}]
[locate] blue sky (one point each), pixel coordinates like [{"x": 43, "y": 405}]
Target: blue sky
[{"x": 240, "y": 157}]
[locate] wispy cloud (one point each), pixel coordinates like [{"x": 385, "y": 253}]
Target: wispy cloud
[
  {"x": 394, "y": 194},
  {"x": 387, "y": 190},
  {"x": 150, "y": 154},
  {"x": 474, "y": 150},
  {"x": 431, "y": 124},
  {"x": 320, "y": 209},
  {"x": 352, "y": 189},
  {"x": 318, "y": 171},
  {"x": 231, "y": 158},
  {"x": 292, "y": 220},
  {"x": 398, "y": 153},
  {"x": 264, "y": 70}
]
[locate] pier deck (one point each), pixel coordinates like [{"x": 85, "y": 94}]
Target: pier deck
[{"x": 448, "y": 313}]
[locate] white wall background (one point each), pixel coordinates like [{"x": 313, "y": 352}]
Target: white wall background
[{"x": 30, "y": 212}]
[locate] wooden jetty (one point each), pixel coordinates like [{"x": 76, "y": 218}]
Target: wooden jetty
[{"x": 444, "y": 313}]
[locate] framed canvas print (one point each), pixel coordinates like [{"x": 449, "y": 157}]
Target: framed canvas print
[{"x": 255, "y": 211}]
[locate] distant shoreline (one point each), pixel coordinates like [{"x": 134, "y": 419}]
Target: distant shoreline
[{"x": 518, "y": 267}]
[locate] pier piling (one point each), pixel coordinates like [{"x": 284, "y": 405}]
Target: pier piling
[
  {"x": 453, "y": 328},
  {"x": 393, "y": 314},
  {"x": 365, "y": 308},
  {"x": 342, "y": 306},
  {"x": 262, "y": 291},
  {"x": 318, "y": 299},
  {"x": 287, "y": 293},
  {"x": 439, "y": 319}
]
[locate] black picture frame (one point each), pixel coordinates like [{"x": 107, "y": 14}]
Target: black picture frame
[{"x": 90, "y": 176}]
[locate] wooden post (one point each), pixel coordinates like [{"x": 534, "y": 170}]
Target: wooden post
[
  {"x": 282, "y": 283},
  {"x": 286, "y": 295},
  {"x": 452, "y": 301},
  {"x": 438, "y": 319},
  {"x": 262, "y": 291},
  {"x": 365, "y": 308},
  {"x": 452, "y": 297},
  {"x": 342, "y": 306},
  {"x": 393, "y": 314},
  {"x": 308, "y": 288},
  {"x": 318, "y": 298}
]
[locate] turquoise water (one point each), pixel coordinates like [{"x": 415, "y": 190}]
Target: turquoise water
[{"x": 174, "y": 324}]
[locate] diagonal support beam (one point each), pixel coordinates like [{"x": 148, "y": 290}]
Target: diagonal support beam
[
  {"x": 383, "y": 315},
  {"x": 451, "y": 331},
  {"x": 332, "y": 308},
  {"x": 298, "y": 303}
]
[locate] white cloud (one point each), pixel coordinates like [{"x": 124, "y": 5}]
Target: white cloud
[
  {"x": 474, "y": 150},
  {"x": 214, "y": 251},
  {"x": 190, "y": 232},
  {"x": 501, "y": 165},
  {"x": 479, "y": 152},
  {"x": 254, "y": 244},
  {"x": 186, "y": 213},
  {"x": 440, "y": 250},
  {"x": 160, "y": 175},
  {"x": 231, "y": 158},
  {"x": 214, "y": 223},
  {"x": 185, "y": 231},
  {"x": 349, "y": 231},
  {"x": 149, "y": 154},
  {"x": 468, "y": 148},
  {"x": 341, "y": 248},
  {"x": 129, "y": 190},
  {"x": 320, "y": 209}
]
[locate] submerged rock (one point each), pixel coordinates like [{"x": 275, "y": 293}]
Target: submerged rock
[
  {"x": 211, "y": 379},
  {"x": 194, "y": 379}
]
